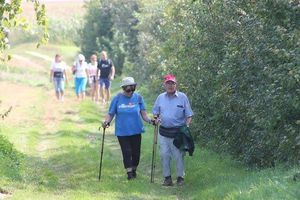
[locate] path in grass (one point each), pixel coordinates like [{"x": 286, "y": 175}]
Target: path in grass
[
  {"x": 61, "y": 143},
  {"x": 61, "y": 146}
]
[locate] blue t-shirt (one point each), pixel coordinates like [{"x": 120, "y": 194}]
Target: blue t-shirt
[{"x": 127, "y": 111}]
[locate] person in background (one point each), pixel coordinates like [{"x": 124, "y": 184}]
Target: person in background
[
  {"x": 129, "y": 109},
  {"x": 80, "y": 73},
  {"x": 106, "y": 72},
  {"x": 174, "y": 111},
  {"x": 59, "y": 76},
  {"x": 93, "y": 79}
]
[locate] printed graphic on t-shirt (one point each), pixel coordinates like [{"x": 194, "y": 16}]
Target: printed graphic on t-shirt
[
  {"x": 124, "y": 106},
  {"x": 128, "y": 114},
  {"x": 104, "y": 65}
]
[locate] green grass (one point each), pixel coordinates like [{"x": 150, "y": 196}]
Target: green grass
[
  {"x": 68, "y": 52},
  {"x": 42, "y": 57},
  {"x": 70, "y": 170},
  {"x": 68, "y": 167}
]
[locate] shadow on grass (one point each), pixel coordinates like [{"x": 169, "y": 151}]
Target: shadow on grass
[
  {"x": 82, "y": 121},
  {"x": 90, "y": 135},
  {"x": 76, "y": 167}
]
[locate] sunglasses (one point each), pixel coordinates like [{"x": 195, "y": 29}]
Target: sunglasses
[{"x": 129, "y": 88}]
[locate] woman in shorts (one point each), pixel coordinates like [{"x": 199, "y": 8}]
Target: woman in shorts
[{"x": 93, "y": 79}]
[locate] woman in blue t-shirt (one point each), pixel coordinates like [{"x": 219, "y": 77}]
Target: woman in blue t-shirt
[{"x": 129, "y": 109}]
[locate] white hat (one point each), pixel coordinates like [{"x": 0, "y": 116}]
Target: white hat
[
  {"x": 81, "y": 57},
  {"x": 127, "y": 81}
]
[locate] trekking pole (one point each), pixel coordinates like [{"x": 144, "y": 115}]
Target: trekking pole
[
  {"x": 154, "y": 153},
  {"x": 101, "y": 156}
]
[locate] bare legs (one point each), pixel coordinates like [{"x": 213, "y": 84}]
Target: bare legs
[
  {"x": 60, "y": 95},
  {"x": 105, "y": 94},
  {"x": 94, "y": 92},
  {"x": 81, "y": 95}
]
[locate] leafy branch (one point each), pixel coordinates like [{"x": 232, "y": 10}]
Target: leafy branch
[{"x": 10, "y": 18}]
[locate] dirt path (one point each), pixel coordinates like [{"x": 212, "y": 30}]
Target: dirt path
[
  {"x": 50, "y": 121},
  {"x": 58, "y": 145},
  {"x": 3, "y": 196},
  {"x": 36, "y": 106},
  {"x": 22, "y": 99}
]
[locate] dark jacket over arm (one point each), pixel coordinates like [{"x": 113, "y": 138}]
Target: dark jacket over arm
[{"x": 184, "y": 141}]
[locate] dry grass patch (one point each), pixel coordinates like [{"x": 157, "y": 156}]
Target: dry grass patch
[{"x": 58, "y": 9}]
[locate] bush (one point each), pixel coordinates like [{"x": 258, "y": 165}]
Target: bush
[
  {"x": 9, "y": 159},
  {"x": 238, "y": 61}
]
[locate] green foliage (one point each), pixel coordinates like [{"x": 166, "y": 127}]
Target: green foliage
[
  {"x": 9, "y": 159},
  {"x": 110, "y": 25},
  {"x": 238, "y": 61},
  {"x": 96, "y": 32},
  {"x": 10, "y": 18},
  {"x": 42, "y": 22},
  {"x": 64, "y": 31},
  {"x": 7, "y": 149},
  {"x": 60, "y": 32}
]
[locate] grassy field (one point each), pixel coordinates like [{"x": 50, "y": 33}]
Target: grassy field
[
  {"x": 56, "y": 9},
  {"x": 60, "y": 146}
]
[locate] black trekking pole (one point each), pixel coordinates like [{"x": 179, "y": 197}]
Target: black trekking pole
[
  {"x": 154, "y": 153},
  {"x": 101, "y": 152}
]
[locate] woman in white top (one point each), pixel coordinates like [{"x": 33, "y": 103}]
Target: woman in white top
[
  {"x": 93, "y": 79},
  {"x": 58, "y": 75},
  {"x": 81, "y": 73}
]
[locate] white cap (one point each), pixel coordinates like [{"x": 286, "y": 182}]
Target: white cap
[
  {"x": 81, "y": 57},
  {"x": 127, "y": 81}
]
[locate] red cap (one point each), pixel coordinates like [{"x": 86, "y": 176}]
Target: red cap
[{"x": 170, "y": 77}]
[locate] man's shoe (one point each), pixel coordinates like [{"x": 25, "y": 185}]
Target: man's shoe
[
  {"x": 168, "y": 181},
  {"x": 130, "y": 175},
  {"x": 180, "y": 181},
  {"x": 134, "y": 173}
]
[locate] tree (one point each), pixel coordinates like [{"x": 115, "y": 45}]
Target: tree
[
  {"x": 110, "y": 25},
  {"x": 239, "y": 63},
  {"x": 10, "y": 17}
]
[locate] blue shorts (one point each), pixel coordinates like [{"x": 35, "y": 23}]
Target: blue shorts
[
  {"x": 59, "y": 84},
  {"x": 104, "y": 82},
  {"x": 80, "y": 84}
]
